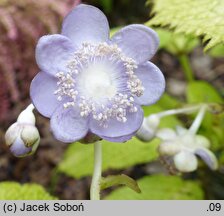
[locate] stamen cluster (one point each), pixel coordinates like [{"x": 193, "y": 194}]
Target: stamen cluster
[{"x": 116, "y": 106}]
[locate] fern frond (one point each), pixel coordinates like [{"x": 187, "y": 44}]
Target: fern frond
[{"x": 202, "y": 18}]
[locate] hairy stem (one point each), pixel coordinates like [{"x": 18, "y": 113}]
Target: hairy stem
[
  {"x": 95, "y": 185},
  {"x": 185, "y": 63}
]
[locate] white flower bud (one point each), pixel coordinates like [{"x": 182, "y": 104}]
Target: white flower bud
[
  {"x": 185, "y": 161},
  {"x": 22, "y": 137},
  {"x": 27, "y": 116},
  {"x": 149, "y": 127}
]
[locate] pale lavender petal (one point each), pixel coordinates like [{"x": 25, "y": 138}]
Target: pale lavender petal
[
  {"x": 118, "y": 129},
  {"x": 19, "y": 149},
  {"x": 53, "y": 53},
  {"x": 208, "y": 157},
  {"x": 137, "y": 41},
  {"x": 120, "y": 139},
  {"x": 67, "y": 125},
  {"x": 152, "y": 80},
  {"x": 42, "y": 95},
  {"x": 86, "y": 24}
]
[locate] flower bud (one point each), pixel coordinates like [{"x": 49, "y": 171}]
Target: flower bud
[
  {"x": 149, "y": 127},
  {"x": 27, "y": 116},
  {"x": 22, "y": 137},
  {"x": 185, "y": 161}
]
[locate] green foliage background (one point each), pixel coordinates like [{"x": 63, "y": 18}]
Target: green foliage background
[
  {"x": 15, "y": 191},
  {"x": 181, "y": 26},
  {"x": 202, "y": 18}
]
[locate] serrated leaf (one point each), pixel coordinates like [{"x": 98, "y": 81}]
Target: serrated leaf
[
  {"x": 160, "y": 187},
  {"x": 78, "y": 158},
  {"x": 114, "y": 180},
  {"x": 16, "y": 191},
  {"x": 201, "y": 18}
]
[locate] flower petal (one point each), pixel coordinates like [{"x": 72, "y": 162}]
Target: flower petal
[
  {"x": 53, "y": 53},
  {"x": 86, "y": 24},
  {"x": 181, "y": 131},
  {"x": 118, "y": 129},
  {"x": 120, "y": 139},
  {"x": 42, "y": 95},
  {"x": 137, "y": 41},
  {"x": 169, "y": 148},
  {"x": 19, "y": 149},
  {"x": 67, "y": 125},
  {"x": 208, "y": 157},
  {"x": 166, "y": 134},
  {"x": 201, "y": 141},
  {"x": 185, "y": 161},
  {"x": 152, "y": 80}
]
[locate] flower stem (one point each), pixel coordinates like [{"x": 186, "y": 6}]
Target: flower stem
[
  {"x": 197, "y": 122},
  {"x": 185, "y": 63},
  {"x": 179, "y": 111},
  {"x": 95, "y": 185}
]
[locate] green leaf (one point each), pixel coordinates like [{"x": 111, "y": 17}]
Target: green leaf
[
  {"x": 201, "y": 91},
  {"x": 212, "y": 125},
  {"x": 217, "y": 51},
  {"x": 201, "y": 18},
  {"x": 78, "y": 158},
  {"x": 114, "y": 30},
  {"x": 166, "y": 102},
  {"x": 16, "y": 191},
  {"x": 160, "y": 187},
  {"x": 221, "y": 158},
  {"x": 122, "y": 179},
  {"x": 176, "y": 44},
  {"x": 107, "y": 5},
  {"x": 168, "y": 121}
]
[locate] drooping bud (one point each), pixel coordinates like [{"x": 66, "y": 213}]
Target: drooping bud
[
  {"x": 23, "y": 137},
  {"x": 148, "y": 129}
]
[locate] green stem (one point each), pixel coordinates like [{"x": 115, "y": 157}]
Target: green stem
[
  {"x": 95, "y": 185},
  {"x": 185, "y": 63}
]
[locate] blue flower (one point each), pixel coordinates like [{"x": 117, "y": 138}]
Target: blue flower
[{"x": 89, "y": 84}]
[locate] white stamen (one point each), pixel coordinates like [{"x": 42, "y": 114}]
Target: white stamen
[{"x": 98, "y": 93}]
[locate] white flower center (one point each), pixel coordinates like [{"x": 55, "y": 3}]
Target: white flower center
[
  {"x": 101, "y": 81},
  {"x": 97, "y": 82}
]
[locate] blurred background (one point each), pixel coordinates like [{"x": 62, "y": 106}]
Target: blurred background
[{"x": 22, "y": 22}]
